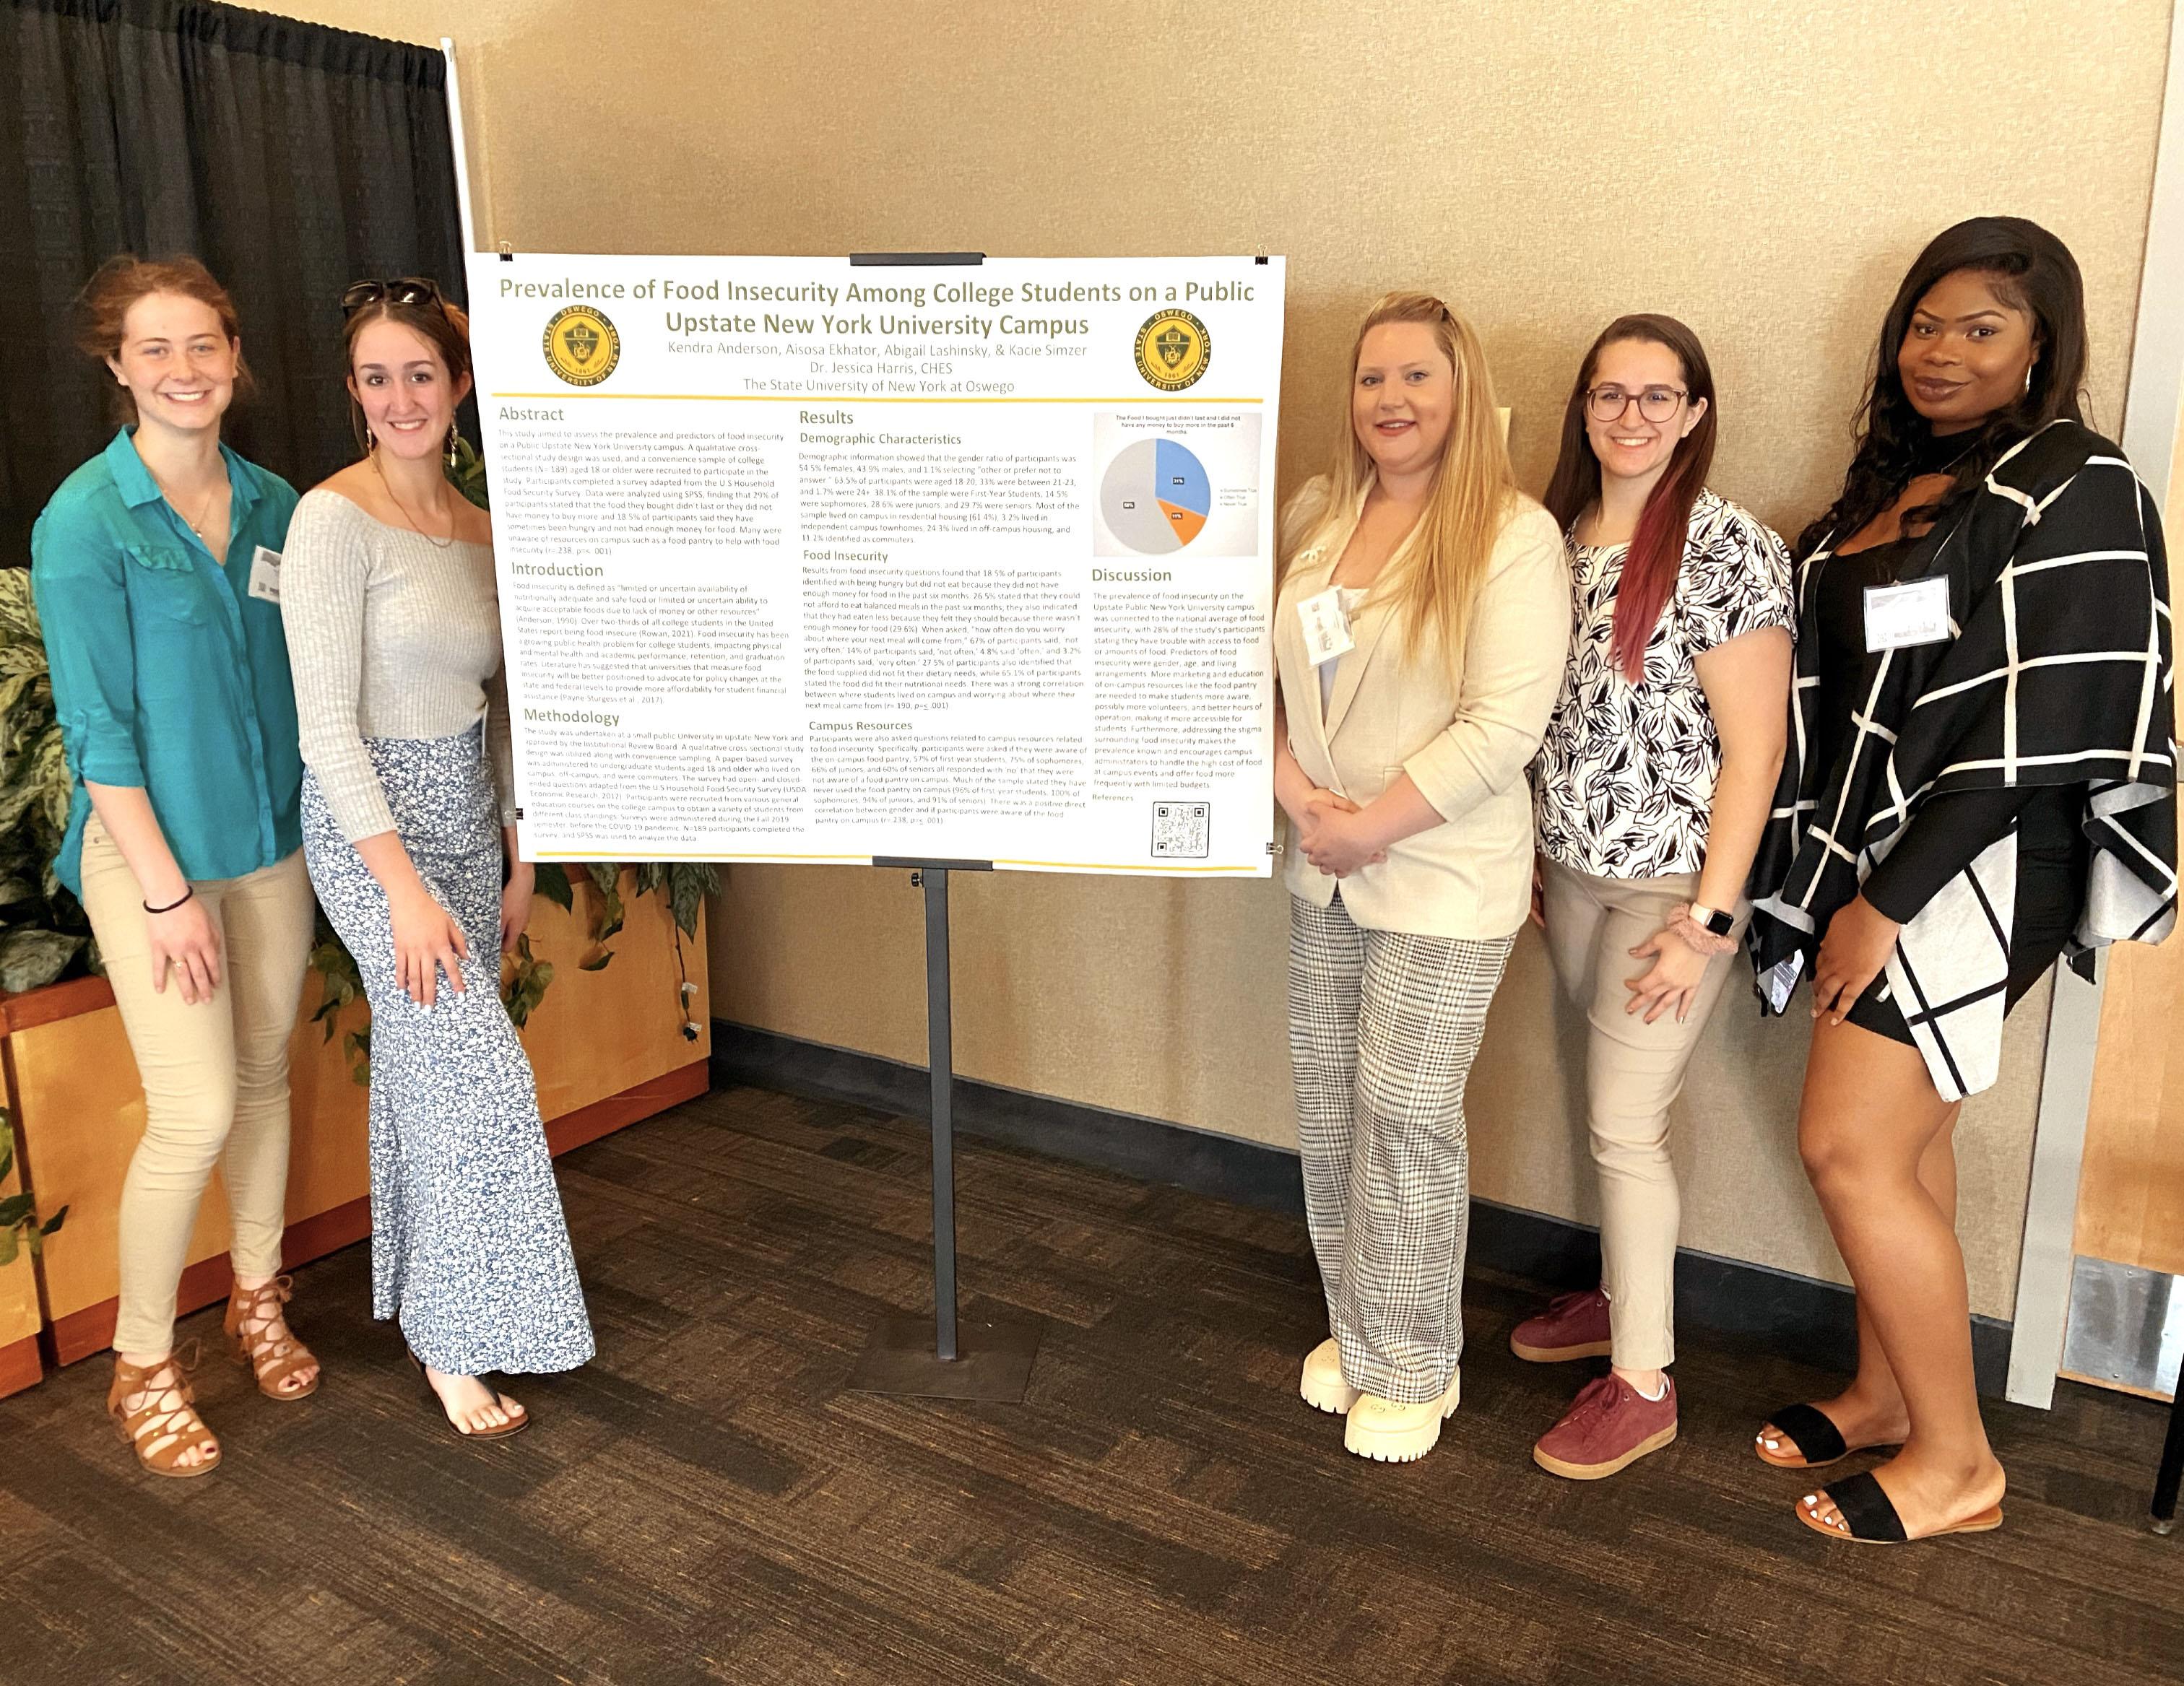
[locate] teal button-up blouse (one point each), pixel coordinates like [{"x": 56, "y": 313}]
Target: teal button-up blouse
[{"x": 167, "y": 674}]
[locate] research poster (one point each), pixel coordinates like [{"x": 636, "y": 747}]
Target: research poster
[{"x": 815, "y": 560}]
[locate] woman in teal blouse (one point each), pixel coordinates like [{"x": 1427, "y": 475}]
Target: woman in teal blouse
[{"x": 156, "y": 570}]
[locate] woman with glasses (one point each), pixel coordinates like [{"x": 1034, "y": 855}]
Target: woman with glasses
[
  {"x": 1982, "y": 775},
  {"x": 1419, "y": 636},
  {"x": 155, "y": 571},
  {"x": 1650, "y": 794},
  {"x": 388, "y": 593}
]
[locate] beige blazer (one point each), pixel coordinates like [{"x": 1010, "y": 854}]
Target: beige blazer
[{"x": 1392, "y": 712}]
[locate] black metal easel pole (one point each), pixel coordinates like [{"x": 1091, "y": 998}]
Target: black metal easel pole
[
  {"x": 991, "y": 1356},
  {"x": 2171, "y": 1474},
  {"x": 941, "y": 1064}
]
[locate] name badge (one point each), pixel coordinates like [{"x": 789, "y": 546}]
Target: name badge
[
  {"x": 266, "y": 575},
  {"x": 1326, "y": 626},
  {"x": 1898, "y": 617}
]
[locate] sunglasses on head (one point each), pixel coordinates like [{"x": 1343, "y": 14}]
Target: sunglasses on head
[{"x": 408, "y": 290}]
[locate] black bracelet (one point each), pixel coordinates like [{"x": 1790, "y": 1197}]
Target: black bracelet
[{"x": 172, "y": 905}]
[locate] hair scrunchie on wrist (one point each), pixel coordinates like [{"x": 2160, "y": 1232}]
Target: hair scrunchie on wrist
[{"x": 1695, "y": 936}]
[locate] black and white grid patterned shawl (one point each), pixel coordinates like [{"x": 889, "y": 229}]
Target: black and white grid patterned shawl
[{"x": 2056, "y": 672}]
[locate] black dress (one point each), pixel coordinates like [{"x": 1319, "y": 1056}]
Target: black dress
[{"x": 1951, "y": 829}]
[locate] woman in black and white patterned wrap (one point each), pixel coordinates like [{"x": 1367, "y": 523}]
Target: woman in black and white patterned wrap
[
  {"x": 387, "y": 595},
  {"x": 1981, "y": 778}
]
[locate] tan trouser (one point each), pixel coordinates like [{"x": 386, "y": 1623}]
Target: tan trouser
[
  {"x": 216, "y": 1075},
  {"x": 1634, "y": 1071}
]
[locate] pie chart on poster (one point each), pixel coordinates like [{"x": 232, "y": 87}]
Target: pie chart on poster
[{"x": 1155, "y": 496}]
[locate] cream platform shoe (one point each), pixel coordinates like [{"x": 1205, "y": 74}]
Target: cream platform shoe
[
  {"x": 1396, "y": 1433},
  {"x": 1322, "y": 1386}
]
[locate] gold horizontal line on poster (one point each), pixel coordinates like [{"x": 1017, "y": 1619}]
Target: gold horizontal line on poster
[
  {"x": 866, "y": 860},
  {"x": 1125, "y": 867},
  {"x": 851, "y": 399},
  {"x": 655, "y": 854}
]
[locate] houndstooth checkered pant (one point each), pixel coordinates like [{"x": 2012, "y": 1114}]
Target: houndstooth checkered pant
[{"x": 1383, "y": 1026}]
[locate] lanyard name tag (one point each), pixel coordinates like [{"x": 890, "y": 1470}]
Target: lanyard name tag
[
  {"x": 1326, "y": 626},
  {"x": 266, "y": 575},
  {"x": 1898, "y": 617}
]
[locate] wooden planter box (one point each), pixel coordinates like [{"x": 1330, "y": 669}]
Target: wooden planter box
[
  {"x": 20, "y": 1320},
  {"x": 607, "y": 1047}
]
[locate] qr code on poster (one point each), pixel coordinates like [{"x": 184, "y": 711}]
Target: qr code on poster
[{"x": 1182, "y": 830}]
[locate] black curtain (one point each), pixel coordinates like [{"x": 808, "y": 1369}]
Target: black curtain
[{"x": 290, "y": 158}]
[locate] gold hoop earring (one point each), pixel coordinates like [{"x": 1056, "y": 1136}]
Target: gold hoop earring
[{"x": 2028, "y": 381}]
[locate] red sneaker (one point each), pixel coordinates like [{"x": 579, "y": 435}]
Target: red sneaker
[
  {"x": 1573, "y": 1325},
  {"x": 1609, "y": 1426}
]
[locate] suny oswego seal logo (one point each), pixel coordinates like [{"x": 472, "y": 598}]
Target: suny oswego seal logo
[
  {"x": 1173, "y": 349},
  {"x": 581, "y": 345}
]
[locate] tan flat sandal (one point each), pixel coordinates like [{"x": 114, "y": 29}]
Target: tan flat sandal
[
  {"x": 519, "y": 1419},
  {"x": 251, "y": 1312},
  {"x": 163, "y": 1427}
]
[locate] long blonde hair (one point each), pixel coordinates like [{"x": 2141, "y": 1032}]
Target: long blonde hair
[{"x": 1432, "y": 579}]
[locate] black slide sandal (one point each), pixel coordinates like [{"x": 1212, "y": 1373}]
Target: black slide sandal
[
  {"x": 1865, "y": 1506},
  {"x": 1809, "y": 1429}
]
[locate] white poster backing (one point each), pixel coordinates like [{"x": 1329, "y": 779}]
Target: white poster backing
[{"x": 801, "y": 559}]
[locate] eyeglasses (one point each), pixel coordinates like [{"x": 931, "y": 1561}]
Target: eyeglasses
[
  {"x": 408, "y": 290},
  {"x": 1655, "y": 403}
]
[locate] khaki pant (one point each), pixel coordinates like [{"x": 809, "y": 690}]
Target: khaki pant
[
  {"x": 216, "y": 1075},
  {"x": 1634, "y": 1071}
]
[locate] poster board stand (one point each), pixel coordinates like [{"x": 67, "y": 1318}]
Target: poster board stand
[
  {"x": 990, "y": 1356},
  {"x": 778, "y": 585}
]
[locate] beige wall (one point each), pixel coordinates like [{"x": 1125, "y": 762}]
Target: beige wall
[{"x": 1763, "y": 170}]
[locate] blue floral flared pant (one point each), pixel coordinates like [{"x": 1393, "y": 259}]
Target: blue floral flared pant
[{"x": 468, "y": 1249}]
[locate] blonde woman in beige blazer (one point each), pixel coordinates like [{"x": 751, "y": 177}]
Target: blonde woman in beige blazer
[{"x": 1420, "y": 636}]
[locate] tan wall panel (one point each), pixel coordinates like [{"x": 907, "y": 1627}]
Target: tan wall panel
[
  {"x": 1547, "y": 166},
  {"x": 1764, "y": 171},
  {"x": 2131, "y": 1194},
  {"x": 19, "y": 1282}
]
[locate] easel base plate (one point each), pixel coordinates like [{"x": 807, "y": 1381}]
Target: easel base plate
[{"x": 994, "y": 1360}]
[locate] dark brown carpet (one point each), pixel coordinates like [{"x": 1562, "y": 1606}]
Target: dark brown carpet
[{"x": 706, "y": 1503}]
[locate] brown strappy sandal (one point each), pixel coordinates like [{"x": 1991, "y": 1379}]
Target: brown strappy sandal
[
  {"x": 274, "y": 1358},
  {"x": 164, "y": 1427}
]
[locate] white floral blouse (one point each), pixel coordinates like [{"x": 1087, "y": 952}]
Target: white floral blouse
[{"x": 1622, "y": 785}]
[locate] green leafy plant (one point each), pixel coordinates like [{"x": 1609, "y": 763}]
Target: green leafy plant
[
  {"x": 685, "y": 883},
  {"x": 44, "y": 936},
  {"x": 525, "y": 978},
  {"x": 340, "y": 984},
  {"x": 466, "y": 473},
  {"x": 18, "y": 1217},
  {"x": 526, "y": 981}
]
